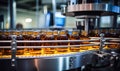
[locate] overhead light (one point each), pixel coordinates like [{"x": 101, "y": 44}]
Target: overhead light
[{"x": 28, "y": 20}]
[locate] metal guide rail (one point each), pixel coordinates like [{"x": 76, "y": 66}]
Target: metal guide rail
[
  {"x": 14, "y": 47},
  {"x": 49, "y": 41},
  {"x": 93, "y": 42},
  {"x": 62, "y": 46},
  {"x": 100, "y": 42},
  {"x": 107, "y": 40},
  {"x": 92, "y": 39},
  {"x": 41, "y": 41}
]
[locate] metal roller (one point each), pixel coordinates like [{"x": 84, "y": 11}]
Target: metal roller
[{"x": 93, "y": 9}]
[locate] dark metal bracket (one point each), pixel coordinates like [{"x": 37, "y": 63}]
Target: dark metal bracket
[
  {"x": 13, "y": 51},
  {"x": 102, "y": 42}
]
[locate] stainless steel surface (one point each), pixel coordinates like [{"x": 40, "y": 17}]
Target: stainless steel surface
[
  {"x": 105, "y": 43},
  {"x": 111, "y": 43},
  {"x": 41, "y": 41},
  {"x": 68, "y": 60},
  {"x": 62, "y": 46},
  {"x": 53, "y": 63},
  {"x": 63, "y": 63},
  {"x": 93, "y": 9},
  {"x": 86, "y": 16},
  {"x": 54, "y": 41},
  {"x": 106, "y": 38}
]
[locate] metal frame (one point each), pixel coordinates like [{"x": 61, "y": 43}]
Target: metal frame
[
  {"x": 13, "y": 50},
  {"x": 59, "y": 62},
  {"x": 88, "y": 9}
]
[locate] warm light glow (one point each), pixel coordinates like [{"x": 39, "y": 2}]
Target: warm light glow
[{"x": 28, "y": 20}]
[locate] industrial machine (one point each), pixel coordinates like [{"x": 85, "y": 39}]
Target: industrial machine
[{"x": 90, "y": 47}]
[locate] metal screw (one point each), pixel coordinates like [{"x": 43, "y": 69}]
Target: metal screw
[
  {"x": 13, "y": 65},
  {"x": 13, "y": 49},
  {"x": 13, "y": 59}
]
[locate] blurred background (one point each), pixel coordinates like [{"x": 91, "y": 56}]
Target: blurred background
[{"x": 35, "y": 14}]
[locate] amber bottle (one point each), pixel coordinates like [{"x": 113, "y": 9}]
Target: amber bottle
[
  {"x": 62, "y": 36},
  {"x": 75, "y": 36},
  {"x": 49, "y": 36},
  {"x": 35, "y": 37}
]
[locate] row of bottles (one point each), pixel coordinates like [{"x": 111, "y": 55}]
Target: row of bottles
[
  {"x": 108, "y": 33},
  {"x": 49, "y": 35},
  {"x": 43, "y": 35}
]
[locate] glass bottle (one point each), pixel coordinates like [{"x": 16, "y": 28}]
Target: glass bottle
[
  {"x": 113, "y": 35},
  {"x": 49, "y": 36},
  {"x": 7, "y": 51},
  {"x": 8, "y": 37},
  {"x": 20, "y": 51},
  {"x": 1, "y": 49},
  {"x": 92, "y": 33},
  {"x": 97, "y": 33},
  {"x": 0, "y": 35},
  {"x": 19, "y": 37},
  {"x": 62, "y": 36},
  {"x": 55, "y": 33},
  {"x": 27, "y": 36},
  {"x": 75, "y": 36},
  {"x": 84, "y": 36},
  {"x": 42, "y": 37},
  {"x": 42, "y": 34},
  {"x": 35, "y": 36}
]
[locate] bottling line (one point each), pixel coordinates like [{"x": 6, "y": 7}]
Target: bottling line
[{"x": 88, "y": 48}]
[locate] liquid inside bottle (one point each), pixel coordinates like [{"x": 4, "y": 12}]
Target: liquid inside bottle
[
  {"x": 49, "y": 36},
  {"x": 84, "y": 36},
  {"x": 20, "y": 51},
  {"x": 27, "y": 36},
  {"x": 1, "y": 50},
  {"x": 35, "y": 37},
  {"x": 75, "y": 36},
  {"x": 62, "y": 36},
  {"x": 2, "y": 37},
  {"x": 7, "y": 51},
  {"x": 55, "y": 33},
  {"x": 7, "y": 37},
  {"x": 112, "y": 34}
]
